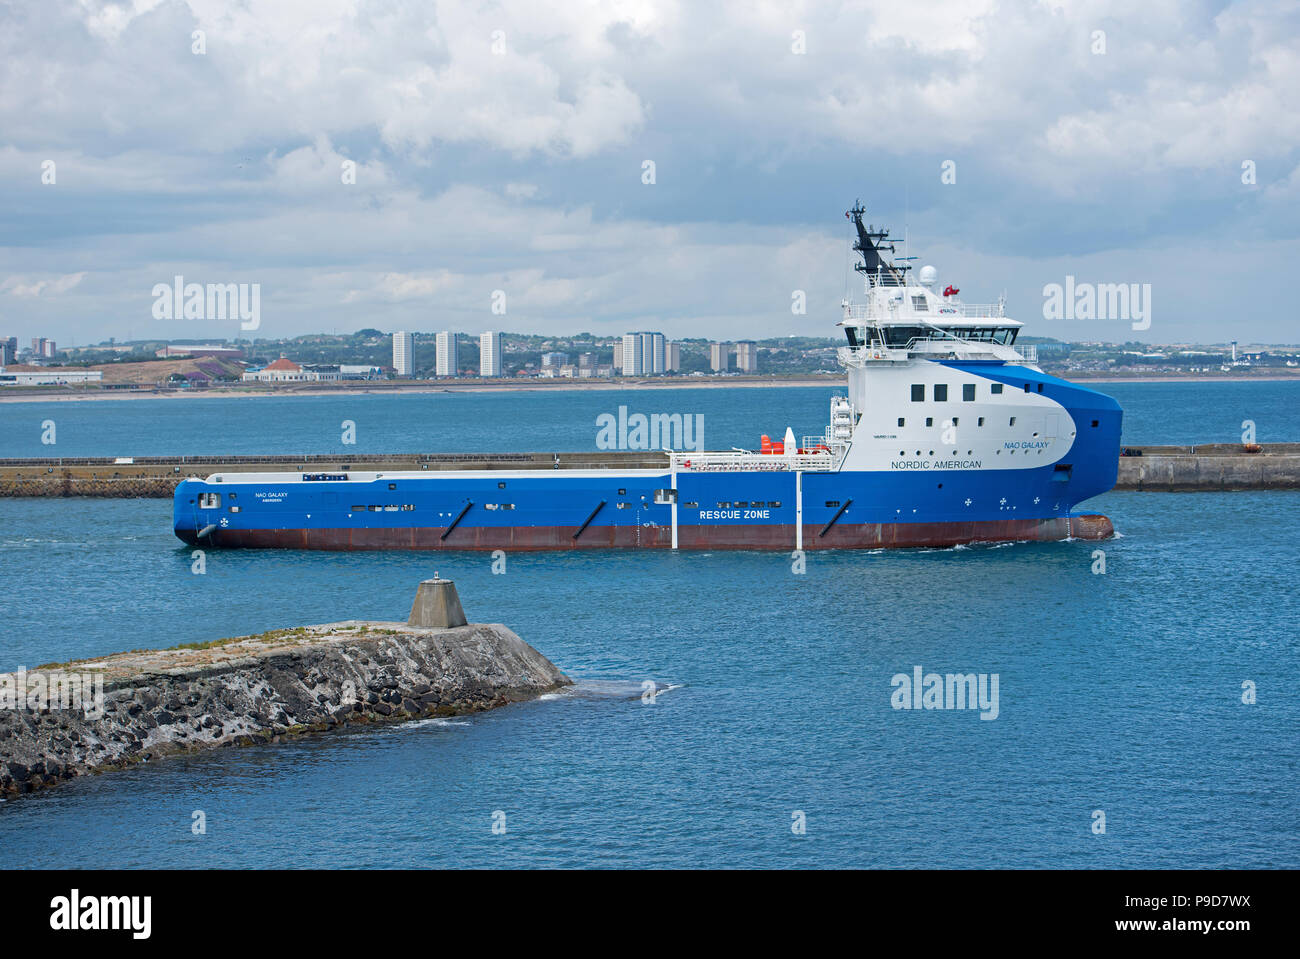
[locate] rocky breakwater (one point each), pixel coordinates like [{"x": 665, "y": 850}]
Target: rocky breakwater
[{"x": 69, "y": 719}]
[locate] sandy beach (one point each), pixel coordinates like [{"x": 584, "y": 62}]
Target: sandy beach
[{"x": 95, "y": 394}]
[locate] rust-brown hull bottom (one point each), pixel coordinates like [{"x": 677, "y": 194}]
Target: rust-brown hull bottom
[{"x": 842, "y": 536}]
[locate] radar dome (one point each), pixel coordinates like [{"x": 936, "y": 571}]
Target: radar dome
[{"x": 928, "y": 275}]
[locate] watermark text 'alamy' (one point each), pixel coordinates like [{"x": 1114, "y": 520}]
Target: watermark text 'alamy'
[{"x": 214, "y": 301}]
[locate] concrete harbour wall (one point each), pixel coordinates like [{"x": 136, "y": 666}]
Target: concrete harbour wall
[{"x": 1163, "y": 468}]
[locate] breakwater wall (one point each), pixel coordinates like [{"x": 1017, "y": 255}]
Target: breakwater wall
[
  {"x": 158, "y": 476},
  {"x": 1156, "y": 468},
  {"x": 1274, "y": 466},
  {"x": 70, "y": 719}
]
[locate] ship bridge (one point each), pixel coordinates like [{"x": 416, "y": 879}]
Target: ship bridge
[{"x": 899, "y": 321}]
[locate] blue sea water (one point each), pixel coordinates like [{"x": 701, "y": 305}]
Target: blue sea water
[
  {"x": 1119, "y": 692},
  {"x": 545, "y": 420}
]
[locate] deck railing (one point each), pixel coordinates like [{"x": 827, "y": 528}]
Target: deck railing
[{"x": 723, "y": 462}]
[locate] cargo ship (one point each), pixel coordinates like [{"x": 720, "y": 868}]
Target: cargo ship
[{"x": 948, "y": 433}]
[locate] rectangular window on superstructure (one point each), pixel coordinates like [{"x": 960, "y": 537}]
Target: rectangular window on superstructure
[
  {"x": 901, "y": 421},
  {"x": 941, "y": 392},
  {"x": 919, "y": 303},
  {"x": 995, "y": 388},
  {"x": 918, "y": 392},
  {"x": 929, "y": 421},
  {"x": 968, "y": 392},
  {"x": 1013, "y": 421}
]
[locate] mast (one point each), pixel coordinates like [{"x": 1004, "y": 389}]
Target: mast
[{"x": 871, "y": 243}]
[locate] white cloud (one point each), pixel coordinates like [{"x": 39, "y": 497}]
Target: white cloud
[
  {"x": 519, "y": 171},
  {"x": 49, "y": 286}
]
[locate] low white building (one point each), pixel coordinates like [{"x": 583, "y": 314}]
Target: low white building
[
  {"x": 50, "y": 376},
  {"x": 287, "y": 371}
]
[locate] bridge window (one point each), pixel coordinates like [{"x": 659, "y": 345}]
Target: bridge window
[
  {"x": 941, "y": 392},
  {"x": 918, "y": 392},
  {"x": 968, "y": 392},
  {"x": 903, "y": 335}
]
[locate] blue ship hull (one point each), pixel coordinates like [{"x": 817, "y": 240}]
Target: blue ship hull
[{"x": 748, "y": 509}]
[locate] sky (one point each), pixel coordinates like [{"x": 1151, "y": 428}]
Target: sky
[{"x": 621, "y": 165}]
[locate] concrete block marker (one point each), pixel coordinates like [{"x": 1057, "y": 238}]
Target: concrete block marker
[{"x": 437, "y": 605}]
